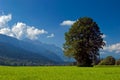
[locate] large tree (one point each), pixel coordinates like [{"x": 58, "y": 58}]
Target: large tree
[{"x": 83, "y": 41}]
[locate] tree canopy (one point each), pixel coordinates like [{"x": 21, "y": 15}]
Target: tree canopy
[{"x": 83, "y": 41}]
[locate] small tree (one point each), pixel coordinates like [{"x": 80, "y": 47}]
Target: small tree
[
  {"x": 117, "y": 62},
  {"x": 108, "y": 61},
  {"x": 83, "y": 41}
]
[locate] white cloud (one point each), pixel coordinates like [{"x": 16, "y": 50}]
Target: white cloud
[
  {"x": 103, "y": 36},
  {"x": 113, "y": 48},
  {"x": 6, "y": 31},
  {"x": 102, "y": 52},
  {"x": 51, "y": 35},
  {"x": 4, "y": 20},
  {"x": 105, "y": 42},
  {"x": 19, "y": 30},
  {"x": 33, "y": 32},
  {"x": 67, "y": 23}
]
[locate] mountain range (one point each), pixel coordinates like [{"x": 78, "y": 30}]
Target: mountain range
[{"x": 29, "y": 52}]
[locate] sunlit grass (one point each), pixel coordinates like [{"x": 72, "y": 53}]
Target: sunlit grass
[{"x": 59, "y": 73}]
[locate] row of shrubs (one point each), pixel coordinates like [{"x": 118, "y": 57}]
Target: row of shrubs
[{"x": 110, "y": 60}]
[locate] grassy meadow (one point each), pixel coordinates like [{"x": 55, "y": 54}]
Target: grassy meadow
[{"x": 59, "y": 73}]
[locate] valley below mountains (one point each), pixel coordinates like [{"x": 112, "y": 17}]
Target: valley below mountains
[{"x": 30, "y": 52}]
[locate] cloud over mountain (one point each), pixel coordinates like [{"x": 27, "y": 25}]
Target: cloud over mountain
[{"x": 19, "y": 30}]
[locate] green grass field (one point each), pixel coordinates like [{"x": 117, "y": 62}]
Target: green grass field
[{"x": 59, "y": 73}]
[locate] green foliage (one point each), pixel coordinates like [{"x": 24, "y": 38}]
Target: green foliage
[
  {"x": 83, "y": 41},
  {"x": 117, "y": 62},
  {"x": 59, "y": 73},
  {"x": 6, "y": 61},
  {"x": 108, "y": 61}
]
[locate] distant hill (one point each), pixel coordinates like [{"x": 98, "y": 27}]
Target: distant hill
[
  {"x": 51, "y": 48},
  {"x": 28, "y": 52}
]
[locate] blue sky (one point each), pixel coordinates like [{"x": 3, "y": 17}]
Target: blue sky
[{"x": 49, "y": 14}]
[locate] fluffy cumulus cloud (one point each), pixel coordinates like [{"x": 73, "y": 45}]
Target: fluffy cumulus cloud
[
  {"x": 67, "y": 23},
  {"x": 51, "y": 35},
  {"x": 113, "y": 48},
  {"x": 4, "y": 20},
  {"x": 19, "y": 30},
  {"x": 6, "y": 31},
  {"x": 33, "y": 32}
]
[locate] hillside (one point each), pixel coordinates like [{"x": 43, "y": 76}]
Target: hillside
[{"x": 28, "y": 52}]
